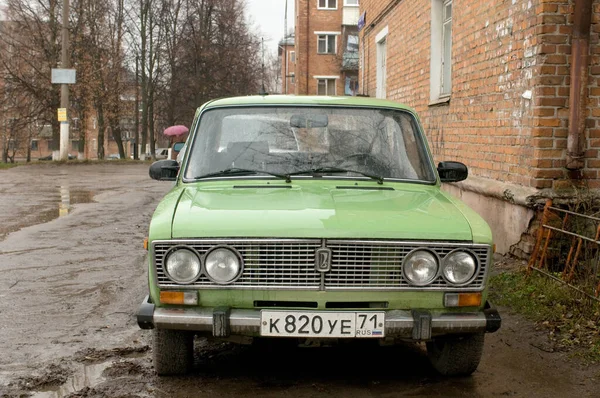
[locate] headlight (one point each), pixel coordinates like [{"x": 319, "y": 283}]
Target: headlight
[
  {"x": 222, "y": 265},
  {"x": 420, "y": 267},
  {"x": 459, "y": 267},
  {"x": 182, "y": 265}
]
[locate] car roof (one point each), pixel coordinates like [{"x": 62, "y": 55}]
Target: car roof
[{"x": 306, "y": 100}]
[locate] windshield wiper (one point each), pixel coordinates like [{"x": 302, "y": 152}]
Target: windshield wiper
[
  {"x": 236, "y": 171},
  {"x": 319, "y": 170}
]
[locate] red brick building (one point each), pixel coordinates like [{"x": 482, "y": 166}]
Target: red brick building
[
  {"x": 509, "y": 87},
  {"x": 326, "y": 47},
  {"x": 287, "y": 60}
]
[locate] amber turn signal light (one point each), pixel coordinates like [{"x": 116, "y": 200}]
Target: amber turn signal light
[
  {"x": 181, "y": 298},
  {"x": 462, "y": 300},
  {"x": 145, "y": 243}
]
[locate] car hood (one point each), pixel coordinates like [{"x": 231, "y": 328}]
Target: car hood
[{"x": 315, "y": 210}]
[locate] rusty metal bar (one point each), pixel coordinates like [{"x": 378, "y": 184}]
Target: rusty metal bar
[
  {"x": 567, "y": 265},
  {"x": 540, "y": 236},
  {"x": 574, "y": 263},
  {"x": 543, "y": 256},
  {"x": 565, "y": 283},
  {"x": 573, "y": 213},
  {"x": 571, "y": 234}
]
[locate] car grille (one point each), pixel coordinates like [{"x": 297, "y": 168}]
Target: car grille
[{"x": 290, "y": 264}]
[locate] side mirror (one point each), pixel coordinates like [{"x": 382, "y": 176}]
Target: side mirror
[
  {"x": 452, "y": 171},
  {"x": 164, "y": 170}
]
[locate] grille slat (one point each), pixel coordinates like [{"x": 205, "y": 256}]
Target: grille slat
[{"x": 290, "y": 264}]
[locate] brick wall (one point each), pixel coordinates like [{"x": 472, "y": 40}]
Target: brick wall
[
  {"x": 309, "y": 19},
  {"x": 507, "y": 118}
]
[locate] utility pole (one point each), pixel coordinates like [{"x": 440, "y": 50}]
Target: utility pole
[
  {"x": 136, "y": 139},
  {"x": 64, "y": 88}
]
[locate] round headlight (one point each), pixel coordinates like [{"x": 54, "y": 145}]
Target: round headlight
[
  {"x": 182, "y": 266},
  {"x": 222, "y": 265},
  {"x": 420, "y": 267},
  {"x": 459, "y": 267}
]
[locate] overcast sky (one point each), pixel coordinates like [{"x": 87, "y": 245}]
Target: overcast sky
[{"x": 268, "y": 19}]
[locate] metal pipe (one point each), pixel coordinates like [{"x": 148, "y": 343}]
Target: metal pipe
[
  {"x": 579, "y": 79},
  {"x": 64, "y": 89}
]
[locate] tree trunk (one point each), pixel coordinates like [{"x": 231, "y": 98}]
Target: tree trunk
[{"x": 101, "y": 127}]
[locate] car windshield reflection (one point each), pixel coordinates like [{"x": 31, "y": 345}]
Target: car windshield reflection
[{"x": 369, "y": 143}]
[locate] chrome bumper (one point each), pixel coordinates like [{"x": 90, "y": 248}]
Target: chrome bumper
[{"x": 220, "y": 322}]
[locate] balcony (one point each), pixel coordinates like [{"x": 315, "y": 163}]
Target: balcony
[{"x": 350, "y": 15}]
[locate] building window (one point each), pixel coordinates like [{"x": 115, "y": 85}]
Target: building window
[
  {"x": 441, "y": 50},
  {"x": 381, "y": 40},
  {"x": 34, "y": 145},
  {"x": 293, "y": 57},
  {"x": 293, "y": 79},
  {"x": 327, "y": 4},
  {"x": 351, "y": 3},
  {"x": 326, "y": 44},
  {"x": 326, "y": 86},
  {"x": 74, "y": 145}
]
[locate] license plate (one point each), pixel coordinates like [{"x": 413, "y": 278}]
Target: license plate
[{"x": 322, "y": 324}]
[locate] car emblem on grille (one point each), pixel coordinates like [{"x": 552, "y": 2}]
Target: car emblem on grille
[{"x": 323, "y": 260}]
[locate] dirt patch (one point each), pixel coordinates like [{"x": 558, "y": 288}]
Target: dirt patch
[
  {"x": 95, "y": 355},
  {"x": 125, "y": 388},
  {"x": 126, "y": 368},
  {"x": 50, "y": 376}
]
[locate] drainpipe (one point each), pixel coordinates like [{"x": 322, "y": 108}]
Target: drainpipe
[{"x": 579, "y": 81}]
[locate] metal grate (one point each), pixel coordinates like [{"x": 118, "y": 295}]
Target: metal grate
[
  {"x": 267, "y": 263},
  {"x": 378, "y": 265},
  {"x": 290, "y": 264}
]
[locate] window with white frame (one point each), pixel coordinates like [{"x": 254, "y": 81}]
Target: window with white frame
[
  {"x": 326, "y": 86},
  {"x": 293, "y": 57},
  {"x": 351, "y": 3},
  {"x": 326, "y": 43},
  {"x": 441, "y": 50},
  {"x": 327, "y": 4},
  {"x": 293, "y": 78}
]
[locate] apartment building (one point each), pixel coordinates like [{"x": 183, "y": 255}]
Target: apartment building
[
  {"x": 326, "y": 47},
  {"x": 287, "y": 60},
  {"x": 510, "y": 88}
]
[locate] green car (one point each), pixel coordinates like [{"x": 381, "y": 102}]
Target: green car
[{"x": 315, "y": 219}]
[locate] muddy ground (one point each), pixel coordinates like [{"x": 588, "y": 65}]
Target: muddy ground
[{"x": 73, "y": 272}]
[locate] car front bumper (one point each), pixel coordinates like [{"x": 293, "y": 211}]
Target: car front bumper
[{"x": 225, "y": 322}]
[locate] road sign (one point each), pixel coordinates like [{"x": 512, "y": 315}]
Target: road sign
[
  {"x": 62, "y": 114},
  {"x": 63, "y": 76}
]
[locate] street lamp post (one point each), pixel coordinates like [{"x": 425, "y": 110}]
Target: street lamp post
[{"x": 64, "y": 88}]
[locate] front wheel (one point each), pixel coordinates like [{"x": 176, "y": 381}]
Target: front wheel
[
  {"x": 173, "y": 351},
  {"x": 457, "y": 355}
]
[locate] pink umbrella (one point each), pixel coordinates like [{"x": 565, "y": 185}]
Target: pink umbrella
[{"x": 175, "y": 131}]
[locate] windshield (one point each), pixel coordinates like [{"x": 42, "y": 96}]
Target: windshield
[{"x": 331, "y": 141}]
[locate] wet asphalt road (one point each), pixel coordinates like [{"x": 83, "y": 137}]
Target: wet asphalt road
[{"x": 73, "y": 272}]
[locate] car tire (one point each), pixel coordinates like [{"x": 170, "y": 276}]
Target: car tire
[
  {"x": 457, "y": 355},
  {"x": 173, "y": 352}
]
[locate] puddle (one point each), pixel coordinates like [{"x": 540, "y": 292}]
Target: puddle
[
  {"x": 84, "y": 376},
  {"x": 66, "y": 199}
]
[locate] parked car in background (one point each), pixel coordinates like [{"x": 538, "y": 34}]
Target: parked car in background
[
  {"x": 317, "y": 218},
  {"x": 49, "y": 157},
  {"x": 113, "y": 156},
  {"x": 162, "y": 153}
]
